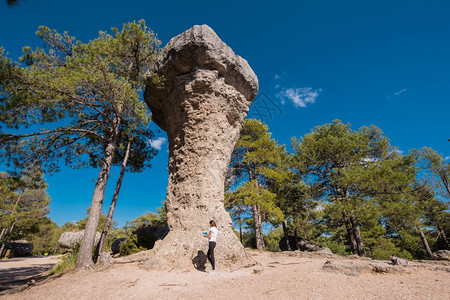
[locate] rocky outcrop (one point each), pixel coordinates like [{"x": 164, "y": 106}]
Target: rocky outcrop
[
  {"x": 358, "y": 267},
  {"x": 69, "y": 240},
  {"x": 206, "y": 94},
  {"x": 301, "y": 244},
  {"x": 19, "y": 248},
  {"x": 442, "y": 255}
]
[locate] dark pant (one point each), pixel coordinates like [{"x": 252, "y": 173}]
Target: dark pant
[{"x": 210, "y": 254}]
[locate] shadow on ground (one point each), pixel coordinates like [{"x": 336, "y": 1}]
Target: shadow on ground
[{"x": 11, "y": 278}]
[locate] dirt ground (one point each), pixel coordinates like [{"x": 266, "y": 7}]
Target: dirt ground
[
  {"x": 18, "y": 271},
  {"x": 278, "y": 276}
]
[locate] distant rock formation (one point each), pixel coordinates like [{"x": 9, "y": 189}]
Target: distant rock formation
[
  {"x": 206, "y": 94},
  {"x": 296, "y": 243},
  {"x": 69, "y": 240},
  {"x": 19, "y": 248}
]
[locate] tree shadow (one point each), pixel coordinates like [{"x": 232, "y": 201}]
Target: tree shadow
[
  {"x": 15, "y": 277},
  {"x": 200, "y": 260}
]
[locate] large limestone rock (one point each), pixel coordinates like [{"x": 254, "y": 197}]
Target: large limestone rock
[
  {"x": 69, "y": 240},
  {"x": 206, "y": 96}
]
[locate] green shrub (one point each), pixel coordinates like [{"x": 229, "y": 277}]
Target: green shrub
[
  {"x": 131, "y": 246},
  {"x": 68, "y": 262},
  {"x": 335, "y": 247},
  {"x": 272, "y": 240}
]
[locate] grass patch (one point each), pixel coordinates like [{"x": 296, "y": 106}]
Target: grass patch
[{"x": 68, "y": 262}]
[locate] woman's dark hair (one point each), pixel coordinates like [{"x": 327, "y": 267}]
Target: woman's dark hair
[{"x": 212, "y": 223}]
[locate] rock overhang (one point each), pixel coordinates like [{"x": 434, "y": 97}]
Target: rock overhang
[{"x": 198, "y": 47}]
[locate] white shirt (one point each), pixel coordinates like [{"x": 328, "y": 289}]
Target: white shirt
[{"x": 214, "y": 231}]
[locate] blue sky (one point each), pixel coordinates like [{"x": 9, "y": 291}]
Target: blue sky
[{"x": 380, "y": 62}]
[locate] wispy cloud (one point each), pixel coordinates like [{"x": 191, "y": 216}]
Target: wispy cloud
[
  {"x": 396, "y": 94},
  {"x": 157, "y": 144},
  {"x": 400, "y": 92},
  {"x": 299, "y": 96}
]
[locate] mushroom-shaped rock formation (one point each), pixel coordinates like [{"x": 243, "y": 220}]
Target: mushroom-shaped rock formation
[{"x": 206, "y": 93}]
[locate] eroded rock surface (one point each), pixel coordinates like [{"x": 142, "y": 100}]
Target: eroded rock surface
[
  {"x": 70, "y": 239},
  {"x": 358, "y": 267},
  {"x": 206, "y": 96}
]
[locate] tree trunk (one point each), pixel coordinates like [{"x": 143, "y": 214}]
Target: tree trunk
[
  {"x": 286, "y": 236},
  {"x": 357, "y": 234},
  {"x": 88, "y": 241},
  {"x": 112, "y": 206},
  {"x": 442, "y": 233},
  {"x": 257, "y": 223},
  {"x": 425, "y": 242},
  {"x": 240, "y": 228},
  {"x": 3, "y": 233},
  {"x": 296, "y": 241},
  {"x": 351, "y": 236},
  {"x": 444, "y": 179}
]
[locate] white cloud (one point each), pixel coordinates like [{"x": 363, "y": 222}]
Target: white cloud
[
  {"x": 157, "y": 144},
  {"x": 400, "y": 92},
  {"x": 299, "y": 96}
]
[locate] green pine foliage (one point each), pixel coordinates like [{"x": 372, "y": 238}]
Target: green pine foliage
[{"x": 348, "y": 190}]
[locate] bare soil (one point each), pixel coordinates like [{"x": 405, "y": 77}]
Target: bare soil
[
  {"x": 277, "y": 276},
  {"x": 19, "y": 271}
]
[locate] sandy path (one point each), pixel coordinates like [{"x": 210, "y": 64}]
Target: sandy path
[
  {"x": 278, "y": 277},
  {"x": 20, "y": 270}
]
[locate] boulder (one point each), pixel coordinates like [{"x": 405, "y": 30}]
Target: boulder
[
  {"x": 398, "y": 261},
  {"x": 299, "y": 244},
  {"x": 115, "y": 246},
  {"x": 19, "y": 248},
  {"x": 442, "y": 255},
  {"x": 69, "y": 240}
]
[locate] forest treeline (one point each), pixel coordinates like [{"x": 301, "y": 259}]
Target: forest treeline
[
  {"x": 24, "y": 209},
  {"x": 348, "y": 190}
]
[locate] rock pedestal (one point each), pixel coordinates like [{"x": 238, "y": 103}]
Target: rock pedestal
[
  {"x": 206, "y": 94},
  {"x": 70, "y": 240}
]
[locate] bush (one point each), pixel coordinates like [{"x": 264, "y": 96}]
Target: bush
[
  {"x": 131, "y": 246},
  {"x": 335, "y": 247},
  {"x": 272, "y": 240}
]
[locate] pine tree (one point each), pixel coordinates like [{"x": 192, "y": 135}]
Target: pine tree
[
  {"x": 84, "y": 92},
  {"x": 254, "y": 154},
  {"x": 342, "y": 165}
]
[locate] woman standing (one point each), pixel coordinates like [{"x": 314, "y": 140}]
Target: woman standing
[{"x": 212, "y": 236}]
